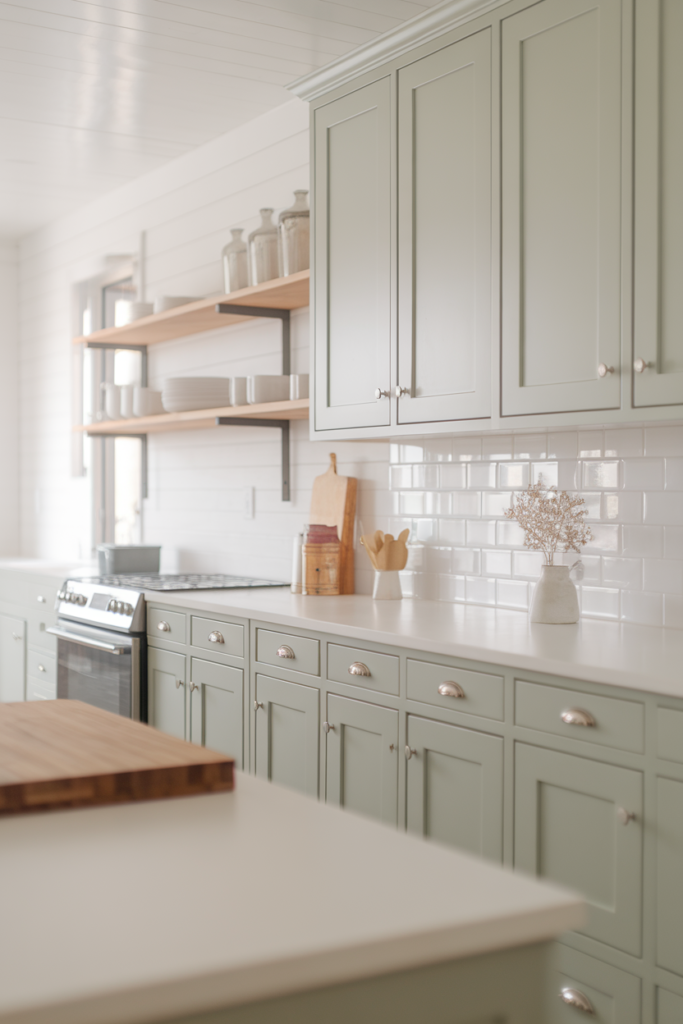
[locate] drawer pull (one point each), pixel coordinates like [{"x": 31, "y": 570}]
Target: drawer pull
[
  {"x": 625, "y": 816},
  {"x": 576, "y": 716},
  {"x": 573, "y": 997},
  {"x": 258, "y": 704},
  {"x": 327, "y": 727},
  {"x": 179, "y": 683},
  {"x": 359, "y": 669},
  {"x": 409, "y": 751},
  {"x": 193, "y": 687},
  {"x": 41, "y": 668},
  {"x": 285, "y": 652},
  {"x": 163, "y": 626},
  {"x": 451, "y": 689},
  {"x": 216, "y": 638}
]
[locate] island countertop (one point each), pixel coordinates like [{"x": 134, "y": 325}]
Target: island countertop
[{"x": 147, "y": 911}]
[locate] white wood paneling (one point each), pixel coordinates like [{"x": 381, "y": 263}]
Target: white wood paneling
[{"x": 9, "y": 404}]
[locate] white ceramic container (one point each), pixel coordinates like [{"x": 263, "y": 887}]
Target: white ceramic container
[
  {"x": 126, "y": 391},
  {"x": 181, "y": 394},
  {"x": 238, "y": 391},
  {"x": 555, "y": 600},
  {"x": 298, "y": 386},
  {"x": 267, "y": 388},
  {"x": 112, "y": 400},
  {"x": 387, "y": 585},
  {"x": 146, "y": 402},
  {"x": 125, "y": 311}
]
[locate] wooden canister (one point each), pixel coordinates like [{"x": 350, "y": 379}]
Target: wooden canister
[{"x": 321, "y": 568}]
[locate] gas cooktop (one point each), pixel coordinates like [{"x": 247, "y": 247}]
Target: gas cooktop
[{"x": 183, "y": 581}]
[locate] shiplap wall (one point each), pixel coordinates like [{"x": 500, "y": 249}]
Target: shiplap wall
[{"x": 9, "y": 399}]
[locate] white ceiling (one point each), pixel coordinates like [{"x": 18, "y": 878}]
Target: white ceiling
[{"x": 94, "y": 93}]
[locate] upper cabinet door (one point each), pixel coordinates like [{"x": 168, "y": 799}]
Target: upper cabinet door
[
  {"x": 444, "y": 202},
  {"x": 352, "y": 259},
  {"x": 561, "y": 194},
  {"x": 658, "y": 300}
]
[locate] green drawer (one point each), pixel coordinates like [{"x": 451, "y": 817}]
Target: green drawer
[
  {"x": 616, "y": 723},
  {"x": 669, "y": 1007},
  {"x": 165, "y": 625},
  {"x": 482, "y": 694},
  {"x": 218, "y": 636},
  {"x": 362, "y": 668},
  {"x": 38, "y": 689},
  {"x": 42, "y": 667},
  {"x": 670, "y": 734},
  {"x": 612, "y": 995},
  {"x": 297, "y": 653}
]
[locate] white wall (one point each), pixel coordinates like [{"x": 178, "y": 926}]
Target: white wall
[
  {"x": 450, "y": 491},
  {"x": 9, "y": 398}
]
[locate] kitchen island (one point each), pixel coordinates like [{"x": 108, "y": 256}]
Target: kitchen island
[{"x": 261, "y": 905}]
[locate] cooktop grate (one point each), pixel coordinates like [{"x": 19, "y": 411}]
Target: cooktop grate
[{"x": 183, "y": 581}]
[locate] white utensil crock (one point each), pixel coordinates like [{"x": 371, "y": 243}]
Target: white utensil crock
[
  {"x": 387, "y": 585},
  {"x": 555, "y": 599}
]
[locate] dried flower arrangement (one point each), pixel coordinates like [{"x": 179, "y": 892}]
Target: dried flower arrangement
[{"x": 550, "y": 519}]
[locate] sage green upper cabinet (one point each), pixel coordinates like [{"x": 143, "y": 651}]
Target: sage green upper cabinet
[
  {"x": 12, "y": 658},
  {"x": 455, "y": 786},
  {"x": 579, "y": 823},
  {"x": 286, "y": 728},
  {"x": 561, "y": 196},
  {"x": 658, "y": 298},
  {"x": 352, "y": 259},
  {"x": 669, "y": 875},
  {"x": 216, "y": 707},
  {"x": 166, "y": 691},
  {"x": 444, "y": 232},
  {"x": 362, "y": 757}
]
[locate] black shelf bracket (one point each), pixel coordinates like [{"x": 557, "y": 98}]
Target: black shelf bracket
[
  {"x": 282, "y": 425},
  {"x": 283, "y": 315}
]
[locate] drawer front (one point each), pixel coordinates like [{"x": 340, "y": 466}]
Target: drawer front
[
  {"x": 39, "y": 689},
  {"x": 165, "y": 625},
  {"x": 378, "y": 671},
  {"x": 612, "y": 995},
  {"x": 42, "y": 667},
  {"x": 474, "y": 693},
  {"x": 670, "y": 734},
  {"x": 298, "y": 653},
  {"x": 615, "y": 723},
  {"x": 217, "y": 636}
]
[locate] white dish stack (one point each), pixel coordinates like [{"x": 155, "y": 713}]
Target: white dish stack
[
  {"x": 182, "y": 394},
  {"x": 267, "y": 388}
]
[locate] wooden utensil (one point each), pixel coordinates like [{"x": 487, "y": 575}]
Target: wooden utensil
[
  {"x": 385, "y": 553},
  {"x": 333, "y": 503},
  {"x": 64, "y": 753}
]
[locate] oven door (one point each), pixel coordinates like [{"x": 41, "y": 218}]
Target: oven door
[{"x": 100, "y": 667}]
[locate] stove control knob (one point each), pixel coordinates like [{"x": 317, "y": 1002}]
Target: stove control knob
[
  {"x": 128, "y": 609},
  {"x": 61, "y": 594},
  {"x": 81, "y": 599},
  {"x": 70, "y": 596},
  {"x": 111, "y": 607},
  {"x": 119, "y": 606}
]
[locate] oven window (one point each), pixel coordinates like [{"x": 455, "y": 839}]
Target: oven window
[{"x": 95, "y": 677}]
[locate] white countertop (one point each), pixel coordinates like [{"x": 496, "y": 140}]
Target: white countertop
[
  {"x": 148, "y": 911},
  {"x": 639, "y": 657},
  {"x": 49, "y": 567}
]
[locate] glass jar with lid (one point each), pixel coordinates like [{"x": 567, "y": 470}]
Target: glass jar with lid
[
  {"x": 235, "y": 264},
  {"x": 263, "y": 250},
  {"x": 295, "y": 235}
]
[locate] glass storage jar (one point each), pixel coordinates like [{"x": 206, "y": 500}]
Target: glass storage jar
[
  {"x": 235, "y": 264},
  {"x": 294, "y": 235},
  {"x": 263, "y": 250}
]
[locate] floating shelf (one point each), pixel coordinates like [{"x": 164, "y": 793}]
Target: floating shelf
[
  {"x": 198, "y": 419},
  {"x": 283, "y": 293}
]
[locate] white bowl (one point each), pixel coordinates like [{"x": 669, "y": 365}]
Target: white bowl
[
  {"x": 125, "y": 311},
  {"x": 238, "y": 391},
  {"x": 298, "y": 386},
  {"x": 146, "y": 402},
  {"x": 164, "y": 302},
  {"x": 267, "y": 388},
  {"x": 173, "y": 404}
]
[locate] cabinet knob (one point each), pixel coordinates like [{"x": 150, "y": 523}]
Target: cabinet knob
[
  {"x": 327, "y": 727},
  {"x": 451, "y": 689},
  {"x": 604, "y": 370},
  {"x": 17, "y": 636},
  {"x": 258, "y": 704},
  {"x": 193, "y": 687},
  {"x": 359, "y": 669},
  {"x": 41, "y": 668},
  {"x": 382, "y": 394},
  {"x": 179, "y": 683},
  {"x": 640, "y": 365},
  {"x": 400, "y": 392},
  {"x": 573, "y": 997},
  {"x": 216, "y": 638},
  {"x": 163, "y": 626},
  {"x": 576, "y": 716},
  {"x": 285, "y": 652},
  {"x": 625, "y": 816},
  {"x": 40, "y": 599},
  {"x": 409, "y": 751}
]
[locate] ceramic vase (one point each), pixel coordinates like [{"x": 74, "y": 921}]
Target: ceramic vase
[
  {"x": 555, "y": 599},
  {"x": 235, "y": 264},
  {"x": 387, "y": 585}
]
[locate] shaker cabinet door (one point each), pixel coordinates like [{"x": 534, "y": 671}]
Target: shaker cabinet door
[
  {"x": 455, "y": 786},
  {"x": 166, "y": 691},
  {"x": 362, "y": 758},
  {"x": 352, "y": 259},
  {"x": 216, "y": 707},
  {"x": 573, "y": 826},
  {"x": 12, "y": 658},
  {"x": 286, "y": 726},
  {"x": 658, "y": 249},
  {"x": 444, "y": 216},
  {"x": 561, "y": 196}
]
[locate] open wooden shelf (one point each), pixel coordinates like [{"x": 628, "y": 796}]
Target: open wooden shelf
[
  {"x": 198, "y": 419},
  {"x": 283, "y": 293}
]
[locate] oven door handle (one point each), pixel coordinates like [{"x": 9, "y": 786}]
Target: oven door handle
[{"x": 85, "y": 641}]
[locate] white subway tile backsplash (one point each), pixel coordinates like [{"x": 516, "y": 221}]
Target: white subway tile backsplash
[
  {"x": 481, "y": 475},
  {"x": 451, "y": 588},
  {"x": 591, "y": 444},
  {"x": 563, "y": 445},
  {"x": 673, "y": 542},
  {"x": 453, "y": 476},
  {"x": 601, "y": 474},
  {"x": 661, "y": 509},
  {"x": 527, "y": 563},
  {"x": 666, "y": 440},
  {"x": 466, "y": 560},
  {"x": 480, "y": 591},
  {"x": 674, "y": 474},
  {"x": 622, "y": 507},
  {"x": 623, "y": 442},
  {"x": 642, "y": 541},
  {"x": 466, "y": 449},
  {"x": 568, "y": 475},
  {"x": 600, "y": 602},
  {"x": 497, "y": 446},
  {"x": 605, "y": 537},
  {"x": 481, "y": 533},
  {"x": 509, "y": 534},
  {"x": 547, "y": 473},
  {"x": 496, "y": 563},
  {"x": 438, "y": 449},
  {"x": 623, "y": 572},
  {"x": 466, "y": 503},
  {"x": 411, "y": 503},
  {"x": 494, "y": 503},
  {"x": 513, "y": 475},
  {"x": 673, "y": 611},
  {"x": 644, "y": 609},
  {"x": 426, "y": 477},
  {"x": 530, "y": 446},
  {"x": 512, "y": 594},
  {"x": 663, "y": 576},
  {"x": 437, "y": 503},
  {"x": 452, "y": 531},
  {"x": 643, "y": 474}
]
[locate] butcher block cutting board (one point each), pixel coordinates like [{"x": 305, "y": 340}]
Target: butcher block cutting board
[
  {"x": 64, "y": 753},
  {"x": 333, "y": 503}
]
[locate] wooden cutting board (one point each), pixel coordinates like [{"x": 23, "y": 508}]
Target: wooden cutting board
[
  {"x": 333, "y": 503},
  {"x": 64, "y": 753}
]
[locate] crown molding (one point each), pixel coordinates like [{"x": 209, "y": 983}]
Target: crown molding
[{"x": 397, "y": 41}]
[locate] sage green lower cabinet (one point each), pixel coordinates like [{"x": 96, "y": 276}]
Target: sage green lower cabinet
[
  {"x": 455, "y": 786},
  {"x": 12, "y": 658},
  {"x": 287, "y": 731},
  {"x": 166, "y": 691},
  {"x": 610, "y": 996},
  {"x": 362, "y": 757},
  {"x": 670, "y": 875},
  {"x": 216, "y": 707},
  {"x": 571, "y": 827},
  {"x": 669, "y": 1007}
]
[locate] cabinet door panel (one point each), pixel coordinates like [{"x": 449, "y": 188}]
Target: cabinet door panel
[
  {"x": 568, "y": 829},
  {"x": 561, "y": 174},
  {"x": 670, "y": 875},
  {"x": 166, "y": 699},
  {"x": 12, "y": 658},
  {"x": 287, "y": 724},
  {"x": 216, "y": 707},
  {"x": 455, "y": 786},
  {"x": 352, "y": 348},
  {"x": 445, "y": 233},
  {"x": 658, "y": 250},
  {"x": 669, "y": 1007},
  {"x": 362, "y": 758},
  {"x": 613, "y": 994}
]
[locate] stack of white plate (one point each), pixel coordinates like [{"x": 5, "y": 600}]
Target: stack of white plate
[{"x": 180, "y": 394}]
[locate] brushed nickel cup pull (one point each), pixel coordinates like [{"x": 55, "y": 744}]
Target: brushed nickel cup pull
[
  {"x": 285, "y": 652},
  {"x": 163, "y": 626},
  {"x": 258, "y": 704},
  {"x": 193, "y": 687},
  {"x": 359, "y": 669},
  {"x": 179, "y": 683},
  {"x": 573, "y": 997},
  {"x": 640, "y": 365},
  {"x": 409, "y": 751},
  {"x": 327, "y": 727},
  {"x": 604, "y": 370},
  {"x": 625, "y": 816},
  {"x": 216, "y": 638},
  {"x": 576, "y": 716},
  {"x": 451, "y": 689}
]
